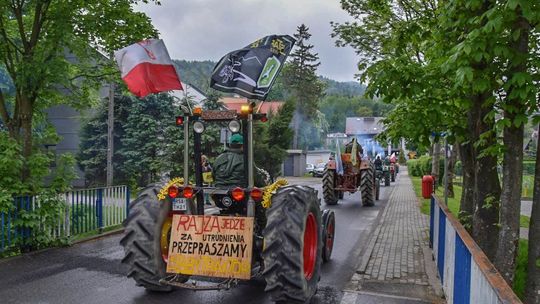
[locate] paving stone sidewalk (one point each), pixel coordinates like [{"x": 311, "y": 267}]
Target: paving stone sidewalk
[{"x": 396, "y": 266}]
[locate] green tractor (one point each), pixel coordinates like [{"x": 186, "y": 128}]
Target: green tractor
[{"x": 276, "y": 232}]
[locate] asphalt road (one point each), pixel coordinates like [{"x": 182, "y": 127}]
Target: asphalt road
[{"x": 91, "y": 272}]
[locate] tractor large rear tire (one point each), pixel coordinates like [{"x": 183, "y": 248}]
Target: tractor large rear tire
[
  {"x": 293, "y": 245},
  {"x": 367, "y": 186},
  {"x": 330, "y": 195},
  {"x": 142, "y": 239}
]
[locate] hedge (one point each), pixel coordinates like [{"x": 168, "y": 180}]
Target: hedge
[{"x": 422, "y": 166}]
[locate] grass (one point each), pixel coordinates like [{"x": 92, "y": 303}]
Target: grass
[
  {"x": 527, "y": 186},
  {"x": 453, "y": 202},
  {"x": 524, "y": 221},
  {"x": 521, "y": 269}
]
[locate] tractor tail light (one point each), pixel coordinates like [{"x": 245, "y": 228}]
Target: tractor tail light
[
  {"x": 256, "y": 194},
  {"x": 179, "y": 120},
  {"x": 188, "y": 192},
  {"x": 238, "y": 194},
  {"x": 173, "y": 191}
]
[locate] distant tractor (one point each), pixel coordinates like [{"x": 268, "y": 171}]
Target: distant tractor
[{"x": 358, "y": 175}]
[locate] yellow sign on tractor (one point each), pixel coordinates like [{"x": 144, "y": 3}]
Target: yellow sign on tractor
[{"x": 214, "y": 246}]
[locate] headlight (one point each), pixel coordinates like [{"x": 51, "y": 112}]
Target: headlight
[
  {"x": 198, "y": 127},
  {"x": 234, "y": 126}
]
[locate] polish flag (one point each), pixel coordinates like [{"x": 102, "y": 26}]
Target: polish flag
[{"x": 147, "y": 68}]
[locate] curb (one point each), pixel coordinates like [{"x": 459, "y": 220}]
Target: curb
[
  {"x": 97, "y": 236},
  {"x": 366, "y": 255}
]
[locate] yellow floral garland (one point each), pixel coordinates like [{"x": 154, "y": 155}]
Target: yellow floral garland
[
  {"x": 270, "y": 190},
  {"x": 177, "y": 181}
]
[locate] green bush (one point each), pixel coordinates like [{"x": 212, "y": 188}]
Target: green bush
[
  {"x": 422, "y": 166},
  {"x": 413, "y": 167}
]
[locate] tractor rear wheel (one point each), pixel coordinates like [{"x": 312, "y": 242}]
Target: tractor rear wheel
[
  {"x": 330, "y": 195},
  {"x": 387, "y": 179},
  {"x": 293, "y": 245},
  {"x": 146, "y": 239},
  {"x": 367, "y": 186},
  {"x": 393, "y": 176}
]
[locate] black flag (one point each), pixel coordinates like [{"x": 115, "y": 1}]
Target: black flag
[{"x": 251, "y": 71}]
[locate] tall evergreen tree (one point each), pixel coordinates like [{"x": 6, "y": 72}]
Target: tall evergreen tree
[
  {"x": 272, "y": 139},
  {"x": 92, "y": 155},
  {"x": 301, "y": 79}
]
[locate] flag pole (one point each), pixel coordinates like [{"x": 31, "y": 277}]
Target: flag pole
[{"x": 110, "y": 131}]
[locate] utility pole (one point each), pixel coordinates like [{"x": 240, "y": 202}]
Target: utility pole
[{"x": 110, "y": 129}]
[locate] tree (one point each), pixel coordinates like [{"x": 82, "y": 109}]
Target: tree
[
  {"x": 148, "y": 139},
  {"x": 474, "y": 51},
  {"x": 273, "y": 139},
  {"x": 47, "y": 48},
  {"x": 301, "y": 80},
  {"x": 402, "y": 47},
  {"x": 92, "y": 156}
]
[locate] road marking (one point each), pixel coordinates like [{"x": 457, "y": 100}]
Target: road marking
[
  {"x": 349, "y": 298},
  {"x": 376, "y": 294}
]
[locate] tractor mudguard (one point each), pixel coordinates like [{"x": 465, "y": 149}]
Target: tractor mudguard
[{"x": 331, "y": 164}]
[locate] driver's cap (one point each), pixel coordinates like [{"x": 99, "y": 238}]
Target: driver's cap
[{"x": 237, "y": 139}]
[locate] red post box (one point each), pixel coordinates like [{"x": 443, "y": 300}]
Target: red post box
[{"x": 427, "y": 186}]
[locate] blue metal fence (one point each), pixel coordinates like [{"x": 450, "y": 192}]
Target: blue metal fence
[
  {"x": 466, "y": 274},
  {"x": 81, "y": 211}
]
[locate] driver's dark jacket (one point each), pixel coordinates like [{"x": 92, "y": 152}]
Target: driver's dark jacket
[
  {"x": 378, "y": 163},
  {"x": 229, "y": 170}
]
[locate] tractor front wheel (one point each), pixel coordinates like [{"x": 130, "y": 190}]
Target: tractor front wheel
[{"x": 293, "y": 245}]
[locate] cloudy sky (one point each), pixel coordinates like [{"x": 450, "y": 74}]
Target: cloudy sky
[{"x": 208, "y": 29}]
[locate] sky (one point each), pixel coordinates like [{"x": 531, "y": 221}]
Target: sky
[{"x": 208, "y": 29}]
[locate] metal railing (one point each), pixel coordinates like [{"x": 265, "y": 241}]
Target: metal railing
[
  {"x": 79, "y": 212},
  {"x": 466, "y": 274}
]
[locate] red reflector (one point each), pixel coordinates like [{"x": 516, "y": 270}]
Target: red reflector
[
  {"x": 173, "y": 191},
  {"x": 237, "y": 194},
  {"x": 256, "y": 194},
  {"x": 179, "y": 120},
  {"x": 264, "y": 119},
  {"x": 188, "y": 192}
]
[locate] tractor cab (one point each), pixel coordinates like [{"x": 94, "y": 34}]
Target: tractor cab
[{"x": 240, "y": 197}]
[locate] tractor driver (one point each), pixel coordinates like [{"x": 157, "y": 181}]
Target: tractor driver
[
  {"x": 229, "y": 166},
  {"x": 378, "y": 163}
]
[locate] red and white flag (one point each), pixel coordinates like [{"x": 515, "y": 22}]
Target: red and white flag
[{"x": 147, "y": 68}]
